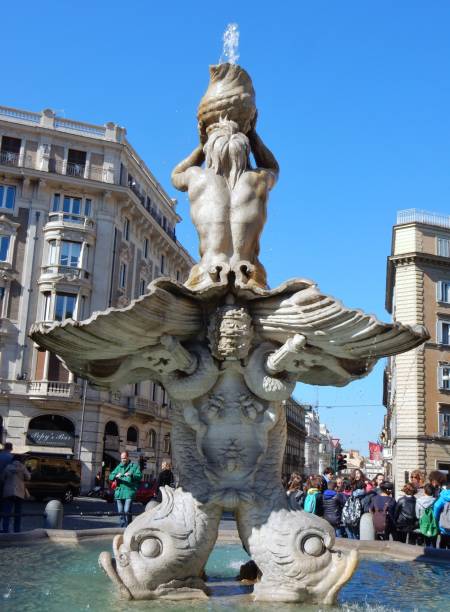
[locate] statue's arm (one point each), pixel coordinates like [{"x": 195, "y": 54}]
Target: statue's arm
[
  {"x": 264, "y": 158},
  {"x": 180, "y": 174}
]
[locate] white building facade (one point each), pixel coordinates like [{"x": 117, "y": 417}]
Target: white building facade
[
  {"x": 84, "y": 225},
  {"x": 312, "y": 441},
  {"x": 326, "y": 449}
]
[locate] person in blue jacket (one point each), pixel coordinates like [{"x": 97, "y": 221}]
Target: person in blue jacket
[{"x": 441, "y": 511}]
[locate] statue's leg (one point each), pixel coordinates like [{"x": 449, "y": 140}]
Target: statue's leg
[
  {"x": 163, "y": 552},
  {"x": 294, "y": 551}
]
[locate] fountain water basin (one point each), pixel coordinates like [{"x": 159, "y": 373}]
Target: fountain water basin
[{"x": 52, "y": 577}]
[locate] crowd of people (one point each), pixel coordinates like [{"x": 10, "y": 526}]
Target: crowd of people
[{"x": 421, "y": 515}]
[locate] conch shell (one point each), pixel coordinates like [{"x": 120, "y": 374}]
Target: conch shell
[{"x": 230, "y": 95}]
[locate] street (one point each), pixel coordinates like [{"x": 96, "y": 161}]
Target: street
[{"x": 73, "y": 518}]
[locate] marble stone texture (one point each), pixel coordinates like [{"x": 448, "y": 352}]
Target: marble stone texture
[{"x": 228, "y": 351}]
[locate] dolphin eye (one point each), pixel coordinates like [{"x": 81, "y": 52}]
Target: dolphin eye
[
  {"x": 312, "y": 545},
  {"x": 150, "y": 547}
]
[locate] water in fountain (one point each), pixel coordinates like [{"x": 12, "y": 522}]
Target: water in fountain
[
  {"x": 55, "y": 577},
  {"x": 230, "y": 44}
]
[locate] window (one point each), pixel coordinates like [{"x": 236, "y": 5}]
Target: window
[
  {"x": 444, "y": 421},
  {"x": 162, "y": 264},
  {"x": 47, "y": 307},
  {"x": 167, "y": 443},
  {"x": 132, "y": 435},
  {"x": 146, "y": 248},
  {"x": 444, "y": 376},
  {"x": 10, "y": 151},
  {"x": 443, "y": 247},
  {"x": 443, "y": 291},
  {"x": 443, "y": 332},
  {"x": 7, "y": 196},
  {"x": 70, "y": 254},
  {"x": 123, "y": 275},
  {"x": 126, "y": 229},
  {"x": 152, "y": 438},
  {"x": 87, "y": 207},
  {"x": 72, "y": 207},
  {"x": 76, "y": 162},
  {"x": 4, "y": 247},
  {"x": 65, "y": 306},
  {"x": 177, "y": 274},
  {"x": 142, "y": 286}
]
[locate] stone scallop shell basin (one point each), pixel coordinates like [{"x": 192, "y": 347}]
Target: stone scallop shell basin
[{"x": 54, "y": 577}]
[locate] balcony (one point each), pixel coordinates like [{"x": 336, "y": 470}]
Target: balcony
[
  {"x": 413, "y": 215},
  {"x": 63, "y": 219},
  {"x": 137, "y": 403},
  {"x": 68, "y": 271},
  {"x": 7, "y": 158},
  {"x": 53, "y": 389},
  {"x": 57, "y": 166}
]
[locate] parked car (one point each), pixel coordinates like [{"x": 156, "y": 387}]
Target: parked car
[
  {"x": 52, "y": 476},
  {"x": 146, "y": 491}
]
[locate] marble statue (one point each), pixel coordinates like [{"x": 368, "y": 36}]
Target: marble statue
[{"x": 228, "y": 351}]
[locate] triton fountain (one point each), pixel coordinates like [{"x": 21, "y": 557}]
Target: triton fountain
[{"x": 228, "y": 350}]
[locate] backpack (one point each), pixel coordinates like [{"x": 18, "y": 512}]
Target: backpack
[
  {"x": 310, "y": 503},
  {"x": 380, "y": 518},
  {"x": 351, "y": 512},
  {"x": 427, "y": 523},
  {"x": 444, "y": 519}
]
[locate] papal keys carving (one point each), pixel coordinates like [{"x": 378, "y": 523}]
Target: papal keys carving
[{"x": 228, "y": 350}]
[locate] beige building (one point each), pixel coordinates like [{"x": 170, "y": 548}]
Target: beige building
[
  {"x": 84, "y": 225},
  {"x": 417, "y": 383}
]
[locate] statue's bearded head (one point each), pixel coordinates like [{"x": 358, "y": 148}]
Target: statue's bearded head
[{"x": 227, "y": 150}]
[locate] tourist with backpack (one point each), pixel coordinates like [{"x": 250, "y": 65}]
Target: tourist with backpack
[
  {"x": 352, "y": 511},
  {"x": 382, "y": 507},
  {"x": 428, "y": 525},
  {"x": 313, "y": 500},
  {"x": 441, "y": 511},
  {"x": 333, "y": 503},
  {"x": 405, "y": 516}
]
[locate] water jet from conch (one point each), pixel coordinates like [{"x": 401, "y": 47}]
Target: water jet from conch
[{"x": 230, "y": 44}]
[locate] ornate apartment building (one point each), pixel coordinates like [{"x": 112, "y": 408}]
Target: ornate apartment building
[
  {"x": 416, "y": 432},
  {"x": 294, "y": 456},
  {"x": 84, "y": 225},
  {"x": 312, "y": 441},
  {"x": 326, "y": 448}
]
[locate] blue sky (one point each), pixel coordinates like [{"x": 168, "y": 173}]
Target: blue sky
[{"x": 353, "y": 97}]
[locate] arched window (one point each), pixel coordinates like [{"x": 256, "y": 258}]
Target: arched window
[
  {"x": 111, "y": 429},
  {"x": 132, "y": 435},
  {"x": 152, "y": 438},
  {"x": 167, "y": 447}
]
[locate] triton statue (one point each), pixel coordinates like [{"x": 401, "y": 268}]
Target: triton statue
[{"x": 228, "y": 351}]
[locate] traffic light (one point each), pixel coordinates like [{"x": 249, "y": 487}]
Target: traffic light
[
  {"x": 341, "y": 463},
  {"x": 142, "y": 463}
]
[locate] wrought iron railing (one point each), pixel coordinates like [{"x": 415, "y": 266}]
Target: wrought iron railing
[
  {"x": 8, "y": 158},
  {"x": 413, "y": 215}
]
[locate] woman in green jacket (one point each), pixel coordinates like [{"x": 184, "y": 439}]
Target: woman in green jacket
[{"x": 127, "y": 477}]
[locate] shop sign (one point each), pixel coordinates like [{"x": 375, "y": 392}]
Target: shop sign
[{"x": 48, "y": 437}]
